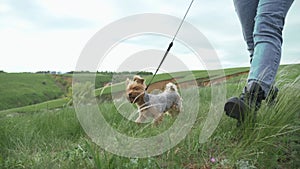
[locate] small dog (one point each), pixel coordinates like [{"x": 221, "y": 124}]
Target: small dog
[{"x": 151, "y": 105}]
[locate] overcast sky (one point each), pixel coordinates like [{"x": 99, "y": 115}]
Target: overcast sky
[{"x": 40, "y": 35}]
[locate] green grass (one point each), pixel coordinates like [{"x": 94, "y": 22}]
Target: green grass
[
  {"x": 24, "y": 89},
  {"x": 100, "y": 79},
  {"x": 54, "y": 138},
  {"x": 41, "y": 140},
  {"x": 21, "y": 89},
  {"x": 45, "y": 106}
]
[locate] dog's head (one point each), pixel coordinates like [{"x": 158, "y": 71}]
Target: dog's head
[{"x": 135, "y": 90}]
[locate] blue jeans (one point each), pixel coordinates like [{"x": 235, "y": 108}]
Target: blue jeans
[{"x": 262, "y": 24}]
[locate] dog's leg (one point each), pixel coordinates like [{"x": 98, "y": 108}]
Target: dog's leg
[
  {"x": 141, "y": 118},
  {"x": 179, "y": 106},
  {"x": 158, "y": 119},
  {"x": 173, "y": 112}
]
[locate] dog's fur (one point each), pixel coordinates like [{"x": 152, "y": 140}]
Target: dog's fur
[{"x": 151, "y": 105}]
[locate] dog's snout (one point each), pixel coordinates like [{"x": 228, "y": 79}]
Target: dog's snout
[{"x": 130, "y": 94}]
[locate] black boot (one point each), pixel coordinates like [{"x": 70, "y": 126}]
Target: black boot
[
  {"x": 270, "y": 100},
  {"x": 245, "y": 106}
]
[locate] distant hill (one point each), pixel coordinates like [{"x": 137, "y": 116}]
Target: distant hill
[{"x": 21, "y": 89}]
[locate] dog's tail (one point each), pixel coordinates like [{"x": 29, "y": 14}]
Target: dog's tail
[{"x": 171, "y": 87}]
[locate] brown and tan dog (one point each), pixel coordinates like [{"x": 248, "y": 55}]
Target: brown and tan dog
[{"x": 151, "y": 105}]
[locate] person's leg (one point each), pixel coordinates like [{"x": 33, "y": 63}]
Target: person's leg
[
  {"x": 266, "y": 47},
  {"x": 246, "y": 11},
  {"x": 267, "y": 35}
]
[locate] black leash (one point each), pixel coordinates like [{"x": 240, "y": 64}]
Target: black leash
[{"x": 170, "y": 45}]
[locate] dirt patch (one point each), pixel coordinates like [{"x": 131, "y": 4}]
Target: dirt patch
[
  {"x": 63, "y": 82},
  {"x": 160, "y": 85}
]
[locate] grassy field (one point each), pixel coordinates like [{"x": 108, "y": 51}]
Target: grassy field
[
  {"x": 53, "y": 138},
  {"x": 33, "y": 89},
  {"x": 21, "y": 89}
]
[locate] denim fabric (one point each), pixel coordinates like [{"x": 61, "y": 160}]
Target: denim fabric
[{"x": 262, "y": 24}]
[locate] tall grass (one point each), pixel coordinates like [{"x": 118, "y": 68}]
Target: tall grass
[
  {"x": 55, "y": 139},
  {"x": 267, "y": 144},
  {"x": 272, "y": 142},
  {"x": 40, "y": 140}
]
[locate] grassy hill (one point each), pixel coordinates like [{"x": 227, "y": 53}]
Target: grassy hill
[
  {"x": 54, "y": 138},
  {"x": 21, "y": 89},
  {"x": 25, "y": 89}
]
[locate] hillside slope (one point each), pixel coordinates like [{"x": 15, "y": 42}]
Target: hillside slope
[{"x": 21, "y": 89}]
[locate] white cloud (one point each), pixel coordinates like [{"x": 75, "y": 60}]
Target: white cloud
[
  {"x": 100, "y": 11},
  {"x": 50, "y": 34},
  {"x": 150, "y": 56},
  {"x": 34, "y": 51},
  {"x": 4, "y": 8}
]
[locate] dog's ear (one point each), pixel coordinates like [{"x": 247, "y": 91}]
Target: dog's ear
[
  {"x": 139, "y": 80},
  {"x": 127, "y": 82}
]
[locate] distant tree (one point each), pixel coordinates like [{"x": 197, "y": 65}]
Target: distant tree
[
  {"x": 143, "y": 73},
  {"x": 42, "y": 72},
  {"x": 71, "y": 72}
]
